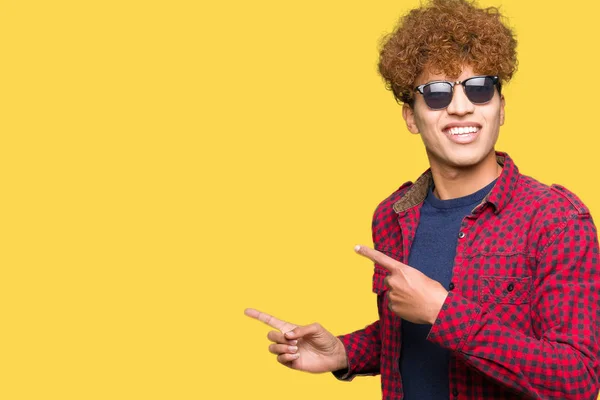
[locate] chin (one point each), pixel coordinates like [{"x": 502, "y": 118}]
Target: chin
[
  {"x": 460, "y": 157},
  {"x": 464, "y": 160}
]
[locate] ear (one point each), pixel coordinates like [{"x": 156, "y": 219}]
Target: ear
[
  {"x": 408, "y": 113},
  {"x": 502, "y": 103}
]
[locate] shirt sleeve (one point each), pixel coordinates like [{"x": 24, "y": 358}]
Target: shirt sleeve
[
  {"x": 559, "y": 360},
  {"x": 363, "y": 350}
]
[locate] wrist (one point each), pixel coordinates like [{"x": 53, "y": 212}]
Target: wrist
[
  {"x": 341, "y": 356},
  {"x": 441, "y": 299}
]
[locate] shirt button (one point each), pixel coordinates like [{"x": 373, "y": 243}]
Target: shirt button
[
  {"x": 451, "y": 286},
  {"x": 461, "y": 235},
  {"x": 510, "y": 287},
  {"x": 454, "y": 392}
]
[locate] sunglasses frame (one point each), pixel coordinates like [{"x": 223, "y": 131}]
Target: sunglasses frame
[{"x": 495, "y": 79}]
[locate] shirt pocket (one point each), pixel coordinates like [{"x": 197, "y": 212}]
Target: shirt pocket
[
  {"x": 380, "y": 273},
  {"x": 504, "y": 290},
  {"x": 378, "y": 277}
]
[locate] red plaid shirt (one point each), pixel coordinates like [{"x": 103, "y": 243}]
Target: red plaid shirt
[{"x": 521, "y": 318}]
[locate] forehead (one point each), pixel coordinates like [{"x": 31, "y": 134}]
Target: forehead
[{"x": 429, "y": 75}]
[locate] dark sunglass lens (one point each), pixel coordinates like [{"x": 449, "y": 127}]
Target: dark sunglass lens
[
  {"x": 437, "y": 95},
  {"x": 479, "y": 90}
]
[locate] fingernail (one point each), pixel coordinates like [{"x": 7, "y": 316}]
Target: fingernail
[
  {"x": 293, "y": 349},
  {"x": 297, "y": 355},
  {"x": 294, "y": 342},
  {"x": 289, "y": 334},
  {"x": 357, "y": 248}
]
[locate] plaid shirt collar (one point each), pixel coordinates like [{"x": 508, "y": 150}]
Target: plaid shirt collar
[{"x": 498, "y": 197}]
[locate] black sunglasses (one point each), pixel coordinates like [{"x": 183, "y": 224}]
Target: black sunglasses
[{"x": 479, "y": 90}]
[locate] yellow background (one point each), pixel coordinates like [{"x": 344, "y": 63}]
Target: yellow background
[{"x": 165, "y": 164}]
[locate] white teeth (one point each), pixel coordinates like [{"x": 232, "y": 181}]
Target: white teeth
[{"x": 462, "y": 130}]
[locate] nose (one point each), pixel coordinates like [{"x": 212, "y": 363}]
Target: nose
[{"x": 460, "y": 104}]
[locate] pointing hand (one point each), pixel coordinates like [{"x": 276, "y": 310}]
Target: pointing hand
[
  {"x": 309, "y": 348},
  {"x": 412, "y": 295}
]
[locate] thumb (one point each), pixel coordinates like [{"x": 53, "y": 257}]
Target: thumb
[{"x": 301, "y": 331}]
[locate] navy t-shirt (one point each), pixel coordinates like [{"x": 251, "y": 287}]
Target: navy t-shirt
[{"x": 424, "y": 365}]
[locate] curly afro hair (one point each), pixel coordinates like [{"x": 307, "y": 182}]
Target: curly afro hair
[{"x": 442, "y": 37}]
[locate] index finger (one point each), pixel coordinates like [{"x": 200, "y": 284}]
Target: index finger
[
  {"x": 378, "y": 258},
  {"x": 270, "y": 320}
]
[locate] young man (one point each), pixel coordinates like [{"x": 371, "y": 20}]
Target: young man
[{"x": 487, "y": 280}]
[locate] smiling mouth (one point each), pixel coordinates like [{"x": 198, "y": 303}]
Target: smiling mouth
[{"x": 463, "y": 130}]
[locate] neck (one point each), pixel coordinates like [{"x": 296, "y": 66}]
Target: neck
[{"x": 453, "y": 182}]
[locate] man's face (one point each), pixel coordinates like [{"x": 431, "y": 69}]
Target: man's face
[{"x": 446, "y": 145}]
